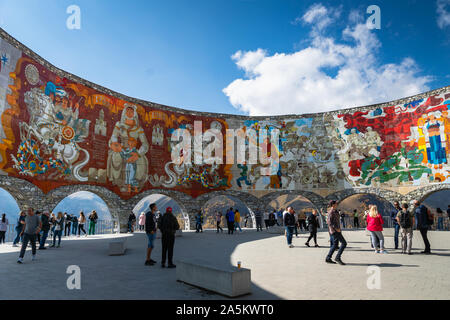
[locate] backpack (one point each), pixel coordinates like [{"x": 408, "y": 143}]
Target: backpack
[
  {"x": 430, "y": 218},
  {"x": 405, "y": 220}
]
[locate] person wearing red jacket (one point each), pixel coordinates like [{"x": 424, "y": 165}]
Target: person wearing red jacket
[{"x": 375, "y": 227}]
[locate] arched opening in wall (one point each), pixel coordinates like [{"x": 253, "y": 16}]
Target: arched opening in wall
[
  {"x": 222, "y": 204},
  {"x": 86, "y": 202},
  {"x": 439, "y": 204},
  {"x": 301, "y": 205},
  {"x": 360, "y": 203},
  {"x": 163, "y": 202},
  {"x": 11, "y": 210}
]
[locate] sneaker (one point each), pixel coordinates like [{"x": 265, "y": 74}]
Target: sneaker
[
  {"x": 152, "y": 261},
  {"x": 171, "y": 266},
  {"x": 148, "y": 263},
  {"x": 340, "y": 262},
  {"x": 330, "y": 261},
  {"x": 307, "y": 244},
  {"x": 317, "y": 246},
  {"x": 58, "y": 246},
  {"x": 33, "y": 257},
  {"x": 163, "y": 265},
  {"x": 15, "y": 245},
  {"x": 20, "y": 260},
  {"x": 291, "y": 246},
  {"x": 383, "y": 251},
  {"x": 376, "y": 251}
]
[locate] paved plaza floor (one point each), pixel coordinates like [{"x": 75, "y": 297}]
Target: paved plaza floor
[{"x": 278, "y": 272}]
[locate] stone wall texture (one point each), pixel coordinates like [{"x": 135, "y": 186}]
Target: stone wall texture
[{"x": 60, "y": 134}]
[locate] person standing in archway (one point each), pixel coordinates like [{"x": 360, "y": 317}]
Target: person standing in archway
[
  {"x": 45, "y": 219},
  {"x": 258, "y": 220},
  {"x": 355, "y": 219},
  {"x": 219, "y": 221},
  {"x": 230, "y": 220},
  {"x": 396, "y": 226},
  {"x": 59, "y": 226},
  {"x": 237, "y": 220},
  {"x": 92, "y": 222},
  {"x": 81, "y": 223},
  {"x": 3, "y": 227},
  {"x": 142, "y": 221},
  {"x": 131, "y": 222},
  {"x": 168, "y": 226},
  {"x": 150, "y": 230}
]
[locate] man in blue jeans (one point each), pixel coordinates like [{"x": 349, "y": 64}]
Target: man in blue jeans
[
  {"x": 150, "y": 230},
  {"x": 289, "y": 223},
  {"x": 334, "y": 228},
  {"x": 396, "y": 226}
]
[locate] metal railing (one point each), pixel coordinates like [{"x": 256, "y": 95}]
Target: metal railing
[{"x": 102, "y": 227}]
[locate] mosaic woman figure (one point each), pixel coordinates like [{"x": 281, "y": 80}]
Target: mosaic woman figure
[
  {"x": 435, "y": 141},
  {"x": 128, "y": 127}
]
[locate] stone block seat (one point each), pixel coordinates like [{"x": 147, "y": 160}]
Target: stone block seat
[
  {"x": 118, "y": 246},
  {"x": 226, "y": 280}
]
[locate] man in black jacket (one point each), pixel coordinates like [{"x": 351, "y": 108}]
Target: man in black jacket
[
  {"x": 168, "y": 226},
  {"x": 289, "y": 223},
  {"x": 150, "y": 230},
  {"x": 313, "y": 225},
  {"x": 45, "y": 229}
]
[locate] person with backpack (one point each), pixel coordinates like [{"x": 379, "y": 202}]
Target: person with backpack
[
  {"x": 150, "y": 230},
  {"x": 313, "y": 225},
  {"x": 396, "y": 226},
  {"x": 424, "y": 221},
  {"x": 19, "y": 228},
  {"x": 258, "y": 220},
  {"x": 74, "y": 225},
  {"x": 230, "y": 220},
  {"x": 92, "y": 222},
  {"x": 68, "y": 225},
  {"x": 45, "y": 219},
  {"x": 405, "y": 219},
  {"x": 168, "y": 226}
]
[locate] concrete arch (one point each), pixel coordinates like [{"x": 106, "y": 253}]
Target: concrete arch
[
  {"x": 388, "y": 195},
  {"x": 117, "y": 207},
  {"x": 252, "y": 202},
  {"x": 317, "y": 200},
  {"x": 183, "y": 200},
  {"x": 423, "y": 192}
]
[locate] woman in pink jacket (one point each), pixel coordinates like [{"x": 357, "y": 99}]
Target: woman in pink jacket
[
  {"x": 141, "y": 221},
  {"x": 375, "y": 227}
]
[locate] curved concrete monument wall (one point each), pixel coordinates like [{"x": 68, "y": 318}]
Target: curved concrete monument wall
[{"x": 58, "y": 130}]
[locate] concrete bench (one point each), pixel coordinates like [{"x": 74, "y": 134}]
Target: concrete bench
[
  {"x": 117, "y": 247},
  {"x": 228, "y": 281}
]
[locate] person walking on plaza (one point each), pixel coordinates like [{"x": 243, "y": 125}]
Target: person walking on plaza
[
  {"x": 237, "y": 220},
  {"x": 68, "y": 224},
  {"x": 45, "y": 220},
  {"x": 150, "y": 231},
  {"x": 313, "y": 225},
  {"x": 423, "y": 224},
  {"x": 375, "y": 227},
  {"x": 258, "y": 220},
  {"x": 3, "y": 228},
  {"x": 296, "y": 225},
  {"x": 440, "y": 219},
  {"x": 230, "y": 220},
  {"x": 92, "y": 222},
  {"x": 355, "y": 219},
  {"x": 405, "y": 220},
  {"x": 31, "y": 228},
  {"x": 141, "y": 221},
  {"x": 302, "y": 221},
  {"x": 19, "y": 228},
  {"x": 198, "y": 222},
  {"x": 59, "y": 226},
  {"x": 342, "y": 215},
  {"x": 219, "y": 221},
  {"x": 396, "y": 226},
  {"x": 131, "y": 222},
  {"x": 334, "y": 228},
  {"x": 168, "y": 226},
  {"x": 289, "y": 223},
  {"x": 81, "y": 223}
]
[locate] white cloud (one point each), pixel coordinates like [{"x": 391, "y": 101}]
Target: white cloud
[
  {"x": 443, "y": 12},
  {"x": 325, "y": 76},
  {"x": 83, "y": 195}
]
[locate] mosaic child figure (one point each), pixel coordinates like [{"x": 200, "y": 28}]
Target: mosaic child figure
[{"x": 130, "y": 167}]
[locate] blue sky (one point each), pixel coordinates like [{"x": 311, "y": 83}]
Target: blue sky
[{"x": 179, "y": 53}]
